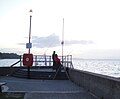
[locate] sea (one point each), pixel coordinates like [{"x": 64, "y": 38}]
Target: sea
[{"x": 109, "y": 67}]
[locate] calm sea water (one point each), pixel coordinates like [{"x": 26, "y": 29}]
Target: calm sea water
[
  {"x": 110, "y": 67},
  {"x": 7, "y": 62}
]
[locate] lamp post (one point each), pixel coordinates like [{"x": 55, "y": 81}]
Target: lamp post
[
  {"x": 29, "y": 44},
  {"x": 30, "y": 31}
]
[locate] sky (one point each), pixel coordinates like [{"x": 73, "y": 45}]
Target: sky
[{"x": 91, "y": 27}]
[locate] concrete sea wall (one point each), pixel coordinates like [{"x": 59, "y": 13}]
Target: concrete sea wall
[
  {"x": 102, "y": 86},
  {"x": 7, "y": 70}
]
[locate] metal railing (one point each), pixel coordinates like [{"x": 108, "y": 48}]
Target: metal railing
[{"x": 46, "y": 60}]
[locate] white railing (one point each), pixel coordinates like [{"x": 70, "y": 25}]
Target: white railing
[{"x": 46, "y": 60}]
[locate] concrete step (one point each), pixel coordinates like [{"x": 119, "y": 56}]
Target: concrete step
[
  {"x": 82, "y": 95},
  {"x": 45, "y": 74}
]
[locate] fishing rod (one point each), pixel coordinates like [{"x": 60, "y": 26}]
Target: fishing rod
[{"x": 62, "y": 43}]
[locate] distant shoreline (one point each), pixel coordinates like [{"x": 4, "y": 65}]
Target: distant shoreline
[{"x": 9, "y": 56}]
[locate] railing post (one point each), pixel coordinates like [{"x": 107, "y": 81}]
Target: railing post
[
  {"x": 65, "y": 61},
  {"x": 36, "y": 60},
  {"x": 50, "y": 60},
  {"x": 45, "y": 59},
  {"x": 20, "y": 60}
]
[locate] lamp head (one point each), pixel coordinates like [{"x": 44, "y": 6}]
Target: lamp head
[{"x": 30, "y": 12}]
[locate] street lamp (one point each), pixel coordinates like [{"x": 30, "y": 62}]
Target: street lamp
[{"x": 29, "y": 44}]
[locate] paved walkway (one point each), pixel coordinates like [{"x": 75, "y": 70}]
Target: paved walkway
[{"x": 45, "y": 89}]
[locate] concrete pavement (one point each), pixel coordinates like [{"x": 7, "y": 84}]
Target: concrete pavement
[{"x": 46, "y": 89}]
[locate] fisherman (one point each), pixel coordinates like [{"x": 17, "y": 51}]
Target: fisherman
[{"x": 57, "y": 63}]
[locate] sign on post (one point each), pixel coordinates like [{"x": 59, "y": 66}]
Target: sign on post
[{"x": 28, "y": 45}]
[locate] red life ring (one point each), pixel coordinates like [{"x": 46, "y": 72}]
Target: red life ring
[{"x": 27, "y": 59}]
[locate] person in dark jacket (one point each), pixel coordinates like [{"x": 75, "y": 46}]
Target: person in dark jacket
[{"x": 57, "y": 63}]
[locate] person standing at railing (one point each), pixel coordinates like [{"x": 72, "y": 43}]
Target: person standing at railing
[
  {"x": 53, "y": 55},
  {"x": 57, "y": 63}
]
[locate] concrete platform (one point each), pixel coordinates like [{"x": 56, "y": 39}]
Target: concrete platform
[{"x": 45, "y": 89}]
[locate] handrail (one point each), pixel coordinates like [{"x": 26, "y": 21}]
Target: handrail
[
  {"x": 15, "y": 63},
  {"x": 46, "y": 60},
  {"x": 41, "y": 60}
]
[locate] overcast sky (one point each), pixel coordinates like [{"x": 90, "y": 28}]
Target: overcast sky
[{"x": 91, "y": 27}]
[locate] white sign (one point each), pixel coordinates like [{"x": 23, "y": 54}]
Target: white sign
[{"x": 28, "y": 45}]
